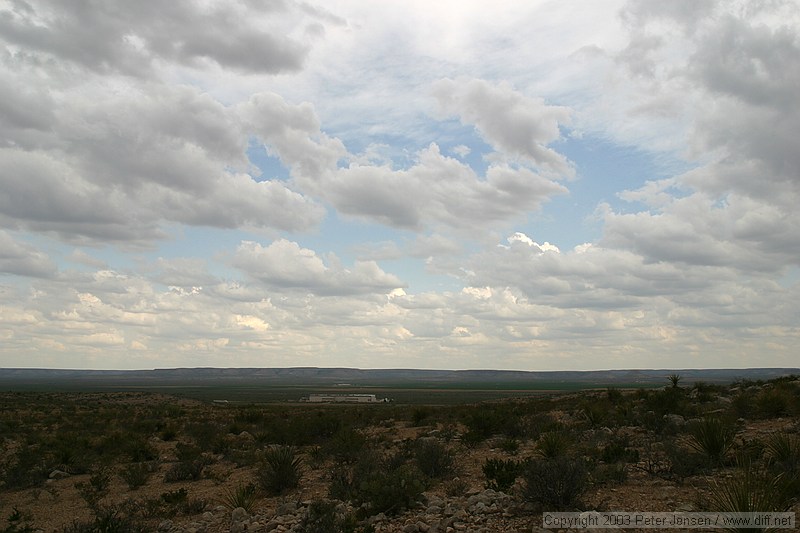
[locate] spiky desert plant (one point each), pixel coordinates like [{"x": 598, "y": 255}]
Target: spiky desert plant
[
  {"x": 712, "y": 437},
  {"x": 674, "y": 379},
  {"x": 783, "y": 448},
  {"x": 552, "y": 444},
  {"x": 750, "y": 491},
  {"x": 279, "y": 469},
  {"x": 243, "y": 495}
]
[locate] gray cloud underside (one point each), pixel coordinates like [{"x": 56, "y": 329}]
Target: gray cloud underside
[{"x": 129, "y": 37}]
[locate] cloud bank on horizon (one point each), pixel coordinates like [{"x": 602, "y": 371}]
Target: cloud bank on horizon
[{"x": 538, "y": 185}]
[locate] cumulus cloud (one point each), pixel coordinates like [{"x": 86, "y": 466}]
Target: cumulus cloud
[
  {"x": 132, "y": 39},
  {"x": 438, "y": 190},
  {"x": 285, "y": 265},
  {"x": 513, "y": 123},
  {"x": 115, "y": 166},
  {"x": 23, "y": 259}
]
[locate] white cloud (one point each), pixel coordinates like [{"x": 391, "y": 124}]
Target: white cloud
[
  {"x": 438, "y": 190},
  {"x": 119, "y": 126},
  {"x": 515, "y": 124},
  {"x": 23, "y": 259},
  {"x": 135, "y": 39},
  {"x": 284, "y": 265}
]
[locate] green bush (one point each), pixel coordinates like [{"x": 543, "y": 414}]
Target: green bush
[
  {"x": 346, "y": 445},
  {"x": 618, "y": 451},
  {"x": 509, "y": 445},
  {"x": 16, "y": 523},
  {"x": 552, "y": 444},
  {"x": 554, "y": 483},
  {"x": 136, "y": 474},
  {"x": 614, "y": 473},
  {"x": 279, "y": 470},
  {"x": 433, "y": 458},
  {"x": 773, "y": 403},
  {"x": 682, "y": 463},
  {"x": 321, "y": 517},
  {"x": 392, "y": 491},
  {"x": 184, "y": 471},
  {"x": 501, "y": 474}
]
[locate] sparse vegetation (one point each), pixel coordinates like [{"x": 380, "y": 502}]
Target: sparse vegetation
[
  {"x": 279, "y": 469},
  {"x": 713, "y": 437},
  {"x": 501, "y": 474},
  {"x": 555, "y": 483},
  {"x": 128, "y": 462},
  {"x": 243, "y": 495}
]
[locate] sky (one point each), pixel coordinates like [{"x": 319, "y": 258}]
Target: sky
[{"x": 531, "y": 185}]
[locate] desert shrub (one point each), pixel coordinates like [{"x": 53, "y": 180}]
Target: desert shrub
[
  {"x": 617, "y": 450},
  {"x": 380, "y": 485},
  {"x": 16, "y": 523},
  {"x": 712, "y": 437},
  {"x": 554, "y": 483},
  {"x": 614, "y": 395},
  {"x": 595, "y": 414},
  {"x": 613, "y": 473},
  {"x": 455, "y": 487},
  {"x": 27, "y": 468},
  {"x": 433, "y": 458},
  {"x": 279, "y": 470},
  {"x": 418, "y": 415},
  {"x": 501, "y": 474},
  {"x": 207, "y": 435},
  {"x": 674, "y": 379},
  {"x": 704, "y": 392},
  {"x": 95, "y": 489},
  {"x": 782, "y": 452},
  {"x": 136, "y": 474},
  {"x": 109, "y": 520},
  {"x": 168, "y": 434},
  {"x": 783, "y": 449},
  {"x": 175, "y": 497},
  {"x": 321, "y": 516},
  {"x": 552, "y": 444},
  {"x": 509, "y": 445},
  {"x": 683, "y": 463},
  {"x": 773, "y": 403},
  {"x": 311, "y": 428},
  {"x": 743, "y": 404},
  {"x": 138, "y": 449},
  {"x": 484, "y": 421},
  {"x": 541, "y": 423},
  {"x": 672, "y": 400},
  {"x": 184, "y": 471},
  {"x": 392, "y": 491},
  {"x": 244, "y": 496},
  {"x": 346, "y": 445},
  {"x": 187, "y": 452}
]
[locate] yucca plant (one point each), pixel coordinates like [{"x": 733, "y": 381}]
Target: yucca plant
[
  {"x": 279, "y": 470},
  {"x": 552, "y": 444},
  {"x": 783, "y": 448},
  {"x": 713, "y": 438},
  {"x": 750, "y": 491},
  {"x": 243, "y": 496}
]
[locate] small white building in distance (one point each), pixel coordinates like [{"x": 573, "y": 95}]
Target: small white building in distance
[{"x": 342, "y": 398}]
